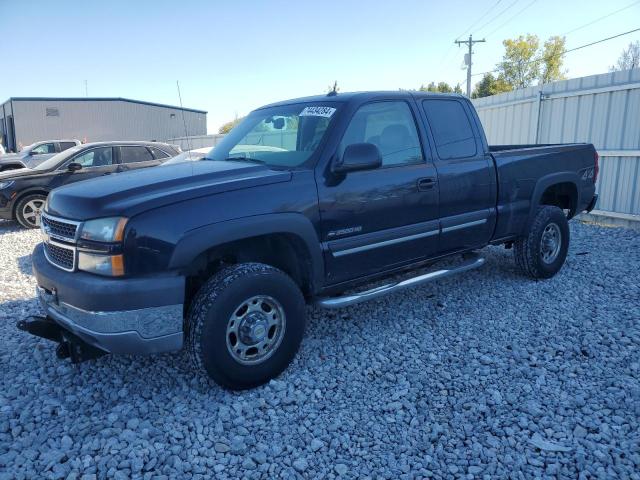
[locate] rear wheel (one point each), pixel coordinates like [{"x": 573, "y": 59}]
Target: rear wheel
[
  {"x": 245, "y": 325},
  {"x": 28, "y": 210},
  {"x": 543, "y": 251}
]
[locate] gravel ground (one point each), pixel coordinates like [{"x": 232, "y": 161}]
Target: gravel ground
[{"x": 489, "y": 374}]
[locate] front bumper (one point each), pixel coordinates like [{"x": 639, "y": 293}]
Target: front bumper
[
  {"x": 124, "y": 316},
  {"x": 592, "y": 203}
]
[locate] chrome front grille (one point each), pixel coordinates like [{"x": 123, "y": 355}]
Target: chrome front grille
[
  {"x": 59, "y": 228},
  {"x": 63, "y": 256}
]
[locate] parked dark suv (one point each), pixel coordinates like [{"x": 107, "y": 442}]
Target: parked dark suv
[{"x": 24, "y": 191}]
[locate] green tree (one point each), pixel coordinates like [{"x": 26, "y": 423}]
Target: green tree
[
  {"x": 552, "y": 60},
  {"x": 457, "y": 88},
  {"x": 490, "y": 85},
  {"x": 629, "y": 58},
  {"x": 441, "y": 87},
  {"x": 429, "y": 88},
  {"x": 226, "y": 128},
  {"x": 520, "y": 66}
]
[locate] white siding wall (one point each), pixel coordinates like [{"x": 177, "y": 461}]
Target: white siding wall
[
  {"x": 600, "y": 109},
  {"x": 102, "y": 120}
]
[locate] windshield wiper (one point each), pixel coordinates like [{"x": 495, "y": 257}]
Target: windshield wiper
[{"x": 244, "y": 159}]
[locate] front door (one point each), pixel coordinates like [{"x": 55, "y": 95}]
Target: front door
[
  {"x": 95, "y": 162},
  {"x": 379, "y": 219}
]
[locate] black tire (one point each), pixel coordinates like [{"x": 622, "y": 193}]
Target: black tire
[
  {"x": 535, "y": 259},
  {"x": 210, "y": 315},
  {"x": 24, "y": 210}
]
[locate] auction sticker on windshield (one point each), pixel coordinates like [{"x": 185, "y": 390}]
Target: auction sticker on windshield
[{"x": 317, "y": 112}]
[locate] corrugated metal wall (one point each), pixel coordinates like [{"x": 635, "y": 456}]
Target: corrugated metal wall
[
  {"x": 102, "y": 120},
  {"x": 600, "y": 109}
]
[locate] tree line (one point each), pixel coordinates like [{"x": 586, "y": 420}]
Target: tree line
[{"x": 525, "y": 62}]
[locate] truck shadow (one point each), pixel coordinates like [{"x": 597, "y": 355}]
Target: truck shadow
[
  {"x": 25, "y": 265},
  {"x": 8, "y": 226}
]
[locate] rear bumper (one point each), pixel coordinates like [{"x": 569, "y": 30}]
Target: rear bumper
[
  {"x": 592, "y": 203},
  {"x": 124, "y": 316}
]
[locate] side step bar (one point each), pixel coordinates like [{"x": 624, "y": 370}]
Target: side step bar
[{"x": 471, "y": 261}]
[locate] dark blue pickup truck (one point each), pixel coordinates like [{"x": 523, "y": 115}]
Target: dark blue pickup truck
[{"x": 306, "y": 201}]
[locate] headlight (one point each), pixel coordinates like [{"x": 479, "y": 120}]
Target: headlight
[
  {"x": 104, "y": 229},
  {"x": 4, "y": 185},
  {"x": 109, "y": 265}
]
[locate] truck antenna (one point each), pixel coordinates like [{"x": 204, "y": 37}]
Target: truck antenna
[{"x": 184, "y": 122}]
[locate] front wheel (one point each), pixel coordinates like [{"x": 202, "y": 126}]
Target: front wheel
[
  {"x": 28, "y": 210},
  {"x": 245, "y": 325},
  {"x": 543, "y": 251}
]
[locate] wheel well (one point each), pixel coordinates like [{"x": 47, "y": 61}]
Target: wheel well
[
  {"x": 284, "y": 251},
  {"x": 562, "y": 195},
  {"x": 26, "y": 194}
]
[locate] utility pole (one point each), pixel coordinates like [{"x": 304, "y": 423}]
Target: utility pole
[{"x": 467, "y": 59}]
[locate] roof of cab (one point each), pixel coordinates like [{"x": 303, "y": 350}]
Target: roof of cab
[{"x": 361, "y": 97}]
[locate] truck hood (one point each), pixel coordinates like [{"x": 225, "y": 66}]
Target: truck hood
[{"x": 130, "y": 193}]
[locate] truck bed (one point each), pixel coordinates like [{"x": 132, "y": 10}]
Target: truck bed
[{"x": 523, "y": 171}]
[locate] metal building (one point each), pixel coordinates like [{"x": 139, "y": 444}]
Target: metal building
[
  {"x": 599, "y": 109},
  {"x": 24, "y": 120}
]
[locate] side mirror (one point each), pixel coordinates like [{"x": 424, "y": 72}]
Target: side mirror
[
  {"x": 74, "y": 167},
  {"x": 358, "y": 156}
]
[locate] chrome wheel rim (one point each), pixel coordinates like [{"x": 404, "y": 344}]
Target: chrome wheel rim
[
  {"x": 255, "y": 330},
  {"x": 550, "y": 243},
  {"x": 31, "y": 212}
]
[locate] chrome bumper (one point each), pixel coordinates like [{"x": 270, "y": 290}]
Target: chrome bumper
[{"x": 141, "y": 331}]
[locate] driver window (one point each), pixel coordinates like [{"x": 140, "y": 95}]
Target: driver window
[
  {"x": 390, "y": 126},
  {"x": 97, "y": 157}
]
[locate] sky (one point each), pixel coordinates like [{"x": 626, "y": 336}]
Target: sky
[{"x": 231, "y": 57}]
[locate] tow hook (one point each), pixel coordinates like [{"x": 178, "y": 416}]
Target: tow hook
[{"x": 69, "y": 345}]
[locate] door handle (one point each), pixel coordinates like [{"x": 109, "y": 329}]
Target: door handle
[{"x": 426, "y": 183}]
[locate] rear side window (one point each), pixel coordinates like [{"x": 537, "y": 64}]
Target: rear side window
[
  {"x": 66, "y": 145},
  {"x": 451, "y": 128},
  {"x": 135, "y": 154},
  {"x": 159, "y": 153}
]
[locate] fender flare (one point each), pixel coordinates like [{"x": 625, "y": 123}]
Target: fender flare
[
  {"x": 201, "y": 239},
  {"x": 545, "y": 182}
]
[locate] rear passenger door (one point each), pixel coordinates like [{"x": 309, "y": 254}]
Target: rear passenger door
[
  {"x": 133, "y": 157},
  {"x": 466, "y": 175}
]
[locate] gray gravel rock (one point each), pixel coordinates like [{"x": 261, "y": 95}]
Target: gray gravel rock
[{"x": 488, "y": 375}]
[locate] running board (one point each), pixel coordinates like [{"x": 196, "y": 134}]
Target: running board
[{"x": 471, "y": 261}]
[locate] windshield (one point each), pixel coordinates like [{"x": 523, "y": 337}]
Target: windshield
[
  {"x": 284, "y": 136},
  {"x": 57, "y": 159}
]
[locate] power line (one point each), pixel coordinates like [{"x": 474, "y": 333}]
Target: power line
[
  {"x": 600, "y": 41},
  {"x": 445, "y": 57},
  {"x": 511, "y": 18},
  {"x": 479, "y": 19},
  {"x": 601, "y": 18},
  {"x": 497, "y": 16},
  {"x": 568, "y": 51}
]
